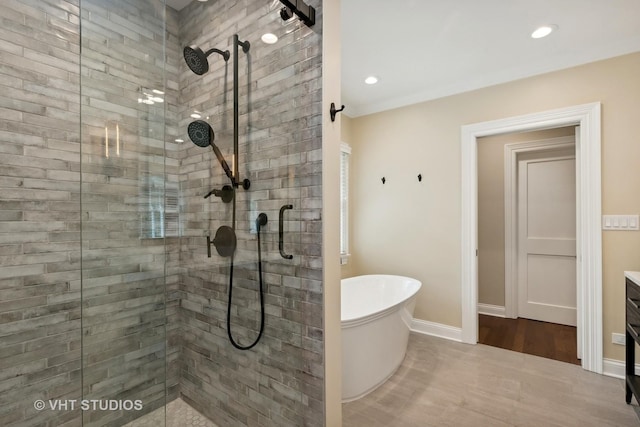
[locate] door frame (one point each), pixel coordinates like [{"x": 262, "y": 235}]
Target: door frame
[
  {"x": 511, "y": 152},
  {"x": 588, "y": 157}
]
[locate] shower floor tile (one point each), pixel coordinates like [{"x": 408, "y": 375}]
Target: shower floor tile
[{"x": 179, "y": 414}]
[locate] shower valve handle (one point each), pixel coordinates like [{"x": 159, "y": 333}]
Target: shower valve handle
[
  {"x": 226, "y": 194},
  {"x": 209, "y": 246}
]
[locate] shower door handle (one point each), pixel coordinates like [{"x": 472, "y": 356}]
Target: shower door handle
[{"x": 281, "y": 232}]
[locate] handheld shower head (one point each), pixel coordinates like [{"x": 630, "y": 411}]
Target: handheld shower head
[
  {"x": 202, "y": 135},
  {"x": 196, "y": 59}
]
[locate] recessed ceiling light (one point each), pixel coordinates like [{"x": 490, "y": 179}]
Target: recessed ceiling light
[
  {"x": 156, "y": 99},
  {"x": 371, "y": 80},
  {"x": 269, "y": 38},
  {"x": 179, "y": 140},
  {"x": 159, "y": 92},
  {"x": 543, "y": 31},
  {"x": 196, "y": 116}
]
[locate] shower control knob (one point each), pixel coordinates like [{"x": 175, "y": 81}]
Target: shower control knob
[{"x": 225, "y": 241}]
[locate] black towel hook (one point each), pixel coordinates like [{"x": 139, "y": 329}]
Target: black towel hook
[{"x": 333, "y": 111}]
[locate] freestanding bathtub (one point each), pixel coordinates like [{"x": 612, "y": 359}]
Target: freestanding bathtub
[{"x": 376, "y": 316}]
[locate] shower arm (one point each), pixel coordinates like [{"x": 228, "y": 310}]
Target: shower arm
[{"x": 225, "y": 53}]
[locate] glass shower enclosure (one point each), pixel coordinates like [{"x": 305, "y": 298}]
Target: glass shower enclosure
[
  {"x": 126, "y": 222},
  {"x": 114, "y": 280}
]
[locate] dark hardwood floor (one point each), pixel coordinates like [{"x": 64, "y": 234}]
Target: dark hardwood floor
[{"x": 542, "y": 339}]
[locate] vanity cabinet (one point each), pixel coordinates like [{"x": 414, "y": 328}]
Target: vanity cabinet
[{"x": 632, "y": 321}]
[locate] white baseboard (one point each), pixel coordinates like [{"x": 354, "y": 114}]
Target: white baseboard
[
  {"x": 436, "y": 329},
  {"x": 616, "y": 368},
  {"x": 491, "y": 310}
]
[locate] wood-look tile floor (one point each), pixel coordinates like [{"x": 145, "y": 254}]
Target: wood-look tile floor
[
  {"x": 550, "y": 340},
  {"x": 444, "y": 383}
]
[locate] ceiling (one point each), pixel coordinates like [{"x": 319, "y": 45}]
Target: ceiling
[{"x": 428, "y": 49}]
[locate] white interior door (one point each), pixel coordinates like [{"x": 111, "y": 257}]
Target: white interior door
[{"x": 547, "y": 237}]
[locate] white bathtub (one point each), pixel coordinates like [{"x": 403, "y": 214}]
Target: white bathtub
[{"x": 376, "y": 316}]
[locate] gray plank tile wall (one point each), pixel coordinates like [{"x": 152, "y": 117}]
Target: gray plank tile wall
[
  {"x": 280, "y": 381},
  {"x": 39, "y": 210}
]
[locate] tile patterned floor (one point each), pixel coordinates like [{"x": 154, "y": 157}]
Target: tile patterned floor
[
  {"x": 179, "y": 414},
  {"x": 443, "y": 383}
]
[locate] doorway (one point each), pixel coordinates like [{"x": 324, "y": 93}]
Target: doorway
[
  {"x": 589, "y": 272},
  {"x": 527, "y": 297}
]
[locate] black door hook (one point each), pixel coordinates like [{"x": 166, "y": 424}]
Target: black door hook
[{"x": 333, "y": 111}]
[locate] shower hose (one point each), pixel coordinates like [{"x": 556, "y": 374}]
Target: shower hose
[{"x": 233, "y": 342}]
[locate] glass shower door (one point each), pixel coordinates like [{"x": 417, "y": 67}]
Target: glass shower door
[{"x": 123, "y": 226}]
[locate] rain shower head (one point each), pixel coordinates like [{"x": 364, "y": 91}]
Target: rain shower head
[
  {"x": 202, "y": 135},
  {"x": 196, "y": 59}
]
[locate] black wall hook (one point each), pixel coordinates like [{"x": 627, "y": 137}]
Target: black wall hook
[
  {"x": 384, "y": 180},
  {"x": 419, "y": 177},
  {"x": 333, "y": 111}
]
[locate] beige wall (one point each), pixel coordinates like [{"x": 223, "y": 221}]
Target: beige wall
[
  {"x": 411, "y": 228},
  {"x": 346, "y": 130},
  {"x": 491, "y": 209}
]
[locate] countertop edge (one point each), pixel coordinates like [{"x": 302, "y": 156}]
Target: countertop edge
[{"x": 634, "y": 276}]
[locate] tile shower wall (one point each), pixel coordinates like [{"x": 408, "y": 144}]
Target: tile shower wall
[
  {"x": 280, "y": 381},
  {"x": 43, "y": 208},
  {"x": 39, "y": 209}
]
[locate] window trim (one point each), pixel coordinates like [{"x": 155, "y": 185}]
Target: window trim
[{"x": 344, "y": 203}]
